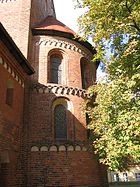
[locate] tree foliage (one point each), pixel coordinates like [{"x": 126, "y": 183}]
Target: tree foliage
[{"x": 115, "y": 114}]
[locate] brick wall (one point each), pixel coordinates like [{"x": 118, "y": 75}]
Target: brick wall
[
  {"x": 18, "y": 16},
  {"x": 72, "y": 53},
  {"x": 41, "y": 160},
  {"x": 54, "y": 162},
  {"x": 41, "y": 114},
  {"x": 10, "y": 117},
  {"x": 15, "y": 16},
  {"x": 64, "y": 169}
]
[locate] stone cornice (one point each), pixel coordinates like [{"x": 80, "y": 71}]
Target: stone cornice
[
  {"x": 59, "y": 89},
  {"x": 58, "y": 43}
]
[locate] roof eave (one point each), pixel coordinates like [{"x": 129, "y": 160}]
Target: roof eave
[{"x": 70, "y": 36}]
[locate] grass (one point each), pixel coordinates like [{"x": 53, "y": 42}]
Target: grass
[
  {"x": 125, "y": 184},
  {"x": 128, "y": 185}
]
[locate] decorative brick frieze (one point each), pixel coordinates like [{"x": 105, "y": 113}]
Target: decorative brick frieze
[
  {"x": 7, "y": 1},
  {"x": 57, "y": 43},
  {"x": 58, "y": 148},
  {"x": 59, "y": 89},
  {"x": 11, "y": 71}
]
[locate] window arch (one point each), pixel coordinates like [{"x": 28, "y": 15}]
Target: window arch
[
  {"x": 62, "y": 119},
  {"x": 60, "y": 122},
  {"x": 86, "y": 73},
  {"x": 82, "y": 66},
  {"x": 56, "y": 68}
]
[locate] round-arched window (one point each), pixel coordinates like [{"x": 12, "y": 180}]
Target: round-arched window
[
  {"x": 60, "y": 121},
  {"x": 56, "y": 69}
]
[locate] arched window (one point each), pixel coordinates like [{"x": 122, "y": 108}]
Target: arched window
[
  {"x": 86, "y": 73},
  {"x": 56, "y": 69},
  {"x": 82, "y": 64},
  {"x": 60, "y": 122}
]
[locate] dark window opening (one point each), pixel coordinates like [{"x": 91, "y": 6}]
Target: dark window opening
[
  {"x": 137, "y": 176},
  {"x": 125, "y": 177},
  {"x": 60, "y": 122},
  {"x": 86, "y": 73},
  {"x": 9, "y": 93},
  {"x": 56, "y": 69},
  {"x": 82, "y": 64},
  {"x": 116, "y": 177},
  {"x": 9, "y": 96}
]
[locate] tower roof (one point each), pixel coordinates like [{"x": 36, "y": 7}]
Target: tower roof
[
  {"x": 51, "y": 23},
  {"x": 51, "y": 26}
]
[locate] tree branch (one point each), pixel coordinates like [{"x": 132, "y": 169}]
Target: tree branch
[{"x": 134, "y": 22}]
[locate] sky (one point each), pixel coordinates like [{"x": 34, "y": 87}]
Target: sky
[{"x": 67, "y": 14}]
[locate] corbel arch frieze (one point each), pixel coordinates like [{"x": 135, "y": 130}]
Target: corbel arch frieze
[
  {"x": 12, "y": 71},
  {"x": 64, "y": 45},
  {"x": 59, "y": 89},
  {"x": 7, "y": 1}
]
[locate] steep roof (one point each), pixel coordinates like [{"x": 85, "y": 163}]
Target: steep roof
[
  {"x": 51, "y": 23},
  {"x": 51, "y": 26},
  {"x": 14, "y": 50}
]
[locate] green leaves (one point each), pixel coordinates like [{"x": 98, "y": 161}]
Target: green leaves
[
  {"x": 116, "y": 123},
  {"x": 115, "y": 114}
]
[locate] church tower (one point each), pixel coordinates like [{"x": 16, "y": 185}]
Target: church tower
[
  {"x": 59, "y": 150},
  {"x": 56, "y": 150},
  {"x": 18, "y": 16}
]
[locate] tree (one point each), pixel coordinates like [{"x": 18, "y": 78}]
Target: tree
[{"x": 115, "y": 114}]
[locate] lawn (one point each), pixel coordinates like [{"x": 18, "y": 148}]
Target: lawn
[{"x": 126, "y": 184}]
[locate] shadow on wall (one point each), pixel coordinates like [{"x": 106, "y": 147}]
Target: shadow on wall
[
  {"x": 8, "y": 155},
  {"x": 59, "y": 156},
  {"x": 48, "y": 112}
]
